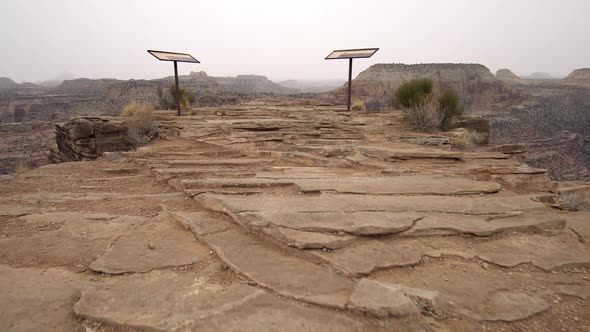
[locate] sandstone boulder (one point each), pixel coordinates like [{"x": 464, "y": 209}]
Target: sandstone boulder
[{"x": 86, "y": 138}]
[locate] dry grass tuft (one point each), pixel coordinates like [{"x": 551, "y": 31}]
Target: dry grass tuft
[
  {"x": 142, "y": 127},
  {"x": 136, "y": 107},
  {"x": 358, "y": 106},
  {"x": 425, "y": 117}
]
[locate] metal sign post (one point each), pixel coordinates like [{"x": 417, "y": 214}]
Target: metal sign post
[
  {"x": 175, "y": 57},
  {"x": 351, "y": 54}
]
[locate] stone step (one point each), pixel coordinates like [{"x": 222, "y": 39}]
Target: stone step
[
  {"x": 186, "y": 163},
  {"x": 370, "y": 215},
  {"x": 167, "y": 173},
  {"x": 271, "y": 268},
  {"x": 267, "y": 266},
  {"x": 399, "y": 185},
  {"x": 389, "y": 153}
]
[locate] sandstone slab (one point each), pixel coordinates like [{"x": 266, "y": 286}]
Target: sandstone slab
[
  {"x": 579, "y": 222},
  {"x": 65, "y": 238},
  {"x": 508, "y": 306},
  {"x": 390, "y": 153},
  {"x": 380, "y": 300},
  {"x": 160, "y": 300},
  {"x": 446, "y": 223},
  {"x": 36, "y": 300},
  {"x": 370, "y": 255},
  {"x": 499, "y": 205},
  {"x": 399, "y": 185},
  {"x": 274, "y": 270},
  {"x": 310, "y": 240},
  {"x": 158, "y": 243},
  {"x": 357, "y": 223},
  {"x": 200, "y": 223}
]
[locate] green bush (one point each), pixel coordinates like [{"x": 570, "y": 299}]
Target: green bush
[
  {"x": 450, "y": 106},
  {"x": 413, "y": 93},
  {"x": 167, "y": 98},
  {"x": 425, "y": 108}
]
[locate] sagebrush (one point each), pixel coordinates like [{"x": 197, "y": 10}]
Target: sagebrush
[
  {"x": 167, "y": 98},
  {"x": 136, "y": 107},
  {"x": 425, "y": 108},
  {"x": 142, "y": 127}
]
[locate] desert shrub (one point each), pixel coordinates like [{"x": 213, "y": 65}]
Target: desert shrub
[
  {"x": 358, "y": 106},
  {"x": 142, "y": 127},
  {"x": 425, "y": 108},
  {"x": 136, "y": 107},
  {"x": 413, "y": 93},
  {"x": 425, "y": 116},
  {"x": 468, "y": 141},
  {"x": 450, "y": 107},
  {"x": 167, "y": 98}
]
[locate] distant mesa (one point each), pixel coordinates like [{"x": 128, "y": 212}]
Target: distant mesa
[
  {"x": 6, "y": 83},
  {"x": 579, "y": 74},
  {"x": 540, "y": 76},
  {"x": 312, "y": 86},
  {"x": 506, "y": 74}
]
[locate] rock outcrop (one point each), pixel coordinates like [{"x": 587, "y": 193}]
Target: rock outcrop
[
  {"x": 86, "y": 138},
  {"x": 476, "y": 85},
  {"x": 506, "y": 74},
  {"x": 579, "y": 74}
]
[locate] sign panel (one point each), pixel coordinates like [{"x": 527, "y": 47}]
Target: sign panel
[
  {"x": 351, "y": 54},
  {"x": 172, "y": 56}
]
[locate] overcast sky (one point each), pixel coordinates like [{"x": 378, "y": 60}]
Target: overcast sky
[{"x": 42, "y": 39}]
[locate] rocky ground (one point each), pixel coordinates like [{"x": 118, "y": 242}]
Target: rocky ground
[{"x": 265, "y": 217}]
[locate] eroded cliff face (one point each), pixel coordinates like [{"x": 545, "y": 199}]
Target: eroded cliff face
[
  {"x": 476, "y": 85},
  {"x": 579, "y": 77},
  {"x": 506, "y": 74}
]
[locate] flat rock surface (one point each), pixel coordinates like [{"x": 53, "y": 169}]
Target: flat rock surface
[
  {"x": 496, "y": 299},
  {"x": 355, "y": 203},
  {"x": 371, "y": 255},
  {"x": 274, "y": 269},
  {"x": 579, "y": 222},
  {"x": 400, "y": 185},
  {"x": 418, "y": 184},
  {"x": 380, "y": 300},
  {"x": 267, "y": 217},
  {"x": 33, "y": 300},
  {"x": 157, "y": 243},
  {"x": 70, "y": 238}
]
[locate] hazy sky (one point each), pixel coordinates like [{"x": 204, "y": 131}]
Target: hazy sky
[{"x": 42, "y": 39}]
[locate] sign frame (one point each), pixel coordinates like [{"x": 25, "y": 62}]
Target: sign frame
[
  {"x": 370, "y": 53},
  {"x": 191, "y": 60}
]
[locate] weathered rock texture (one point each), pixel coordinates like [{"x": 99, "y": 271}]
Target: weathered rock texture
[
  {"x": 289, "y": 218},
  {"x": 86, "y": 138},
  {"x": 506, "y": 74}
]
